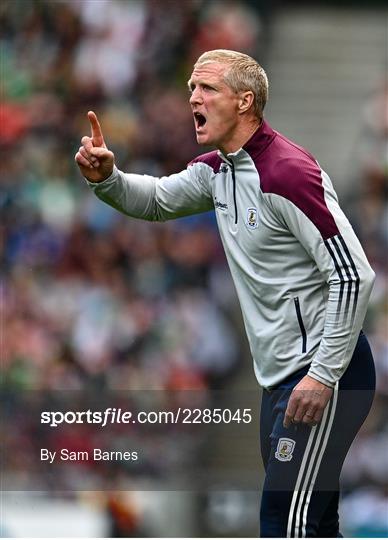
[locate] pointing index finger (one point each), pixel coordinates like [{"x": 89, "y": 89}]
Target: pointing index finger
[{"x": 98, "y": 139}]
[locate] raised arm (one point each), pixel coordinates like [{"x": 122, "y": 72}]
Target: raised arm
[{"x": 142, "y": 196}]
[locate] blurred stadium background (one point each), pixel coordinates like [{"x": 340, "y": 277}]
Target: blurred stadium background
[{"x": 93, "y": 299}]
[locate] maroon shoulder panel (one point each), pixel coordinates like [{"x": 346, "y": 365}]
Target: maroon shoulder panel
[
  {"x": 288, "y": 170},
  {"x": 211, "y": 158}
]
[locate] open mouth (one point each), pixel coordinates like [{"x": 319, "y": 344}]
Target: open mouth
[{"x": 200, "y": 120}]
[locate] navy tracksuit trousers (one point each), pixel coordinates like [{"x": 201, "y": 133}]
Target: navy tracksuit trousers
[{"x": 303, "y": 464}]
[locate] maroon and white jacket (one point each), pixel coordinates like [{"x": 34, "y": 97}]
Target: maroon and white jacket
[{"x": 301, "y": 275}]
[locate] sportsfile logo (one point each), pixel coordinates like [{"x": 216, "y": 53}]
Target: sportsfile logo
[
  {"x": 111, "y": 415},
  {"x": 180, "y": 415}
]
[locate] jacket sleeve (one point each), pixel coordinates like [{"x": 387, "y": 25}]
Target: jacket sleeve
[
  {"x": 156, "y": 199},
  {"x": 315, "y": 218}
]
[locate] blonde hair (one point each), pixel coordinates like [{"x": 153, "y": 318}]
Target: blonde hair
[{"x": 244, "y": 73}]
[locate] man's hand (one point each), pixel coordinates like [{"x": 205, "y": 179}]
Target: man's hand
[
  {"x": 307, "y": 402},
  {"x": 93, "y": 158}
]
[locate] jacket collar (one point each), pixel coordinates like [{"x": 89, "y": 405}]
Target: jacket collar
[{"x": 257, "y": 143}]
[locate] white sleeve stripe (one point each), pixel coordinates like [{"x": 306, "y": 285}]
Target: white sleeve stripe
[
  {"x": 342, "y": 280},
  {"x": 356, "y": 275},
  {"x": 348, "y": 274},
  {"x": 339, "y": 252},
  {"x": 355, "y": 278}
]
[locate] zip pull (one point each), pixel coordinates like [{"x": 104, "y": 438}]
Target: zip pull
[{"x": 234, "y": 193}]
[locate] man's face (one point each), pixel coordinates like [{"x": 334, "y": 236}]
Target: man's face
[{"x": 214, "y": 106}]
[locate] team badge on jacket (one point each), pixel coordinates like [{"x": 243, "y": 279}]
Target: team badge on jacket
[
  {"x": 284, "y": 449},
  {"x": 252, "y": 221}
]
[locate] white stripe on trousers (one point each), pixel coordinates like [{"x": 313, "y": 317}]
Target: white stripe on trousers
[
  {"x": 311, "y": 487},
  {"x": 310, "y": 454}
]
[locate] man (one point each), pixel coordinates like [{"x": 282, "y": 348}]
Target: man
[{"x": 301, "y": 276}]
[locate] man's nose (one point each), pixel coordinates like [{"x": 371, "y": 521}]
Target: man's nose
[{"x": 195, "y": 97}]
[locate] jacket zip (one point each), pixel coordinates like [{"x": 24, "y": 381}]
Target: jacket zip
[
  {"x": 234, "y": 194},
  {"x": 301, "y": 325}
]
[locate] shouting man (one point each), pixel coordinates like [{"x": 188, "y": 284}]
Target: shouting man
[{"x": 301, "y": 276}]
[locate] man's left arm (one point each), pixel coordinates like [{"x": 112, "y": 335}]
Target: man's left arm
[{"x": 317, "y": 221}]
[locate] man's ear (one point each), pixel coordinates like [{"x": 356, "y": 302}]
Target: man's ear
[{"x": 245, "y": 101}]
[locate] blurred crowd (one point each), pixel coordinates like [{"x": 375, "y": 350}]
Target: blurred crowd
[
  {"x": 95, "y": 299},
  {"x": 90, "y": 295}
]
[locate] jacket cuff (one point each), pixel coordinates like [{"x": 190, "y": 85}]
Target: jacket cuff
[
  {"x": 112, "y": 178},
  {"x": 320, "y": 379}
]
